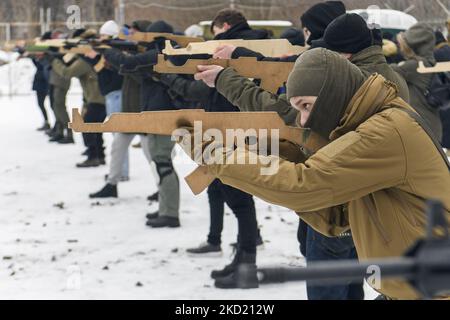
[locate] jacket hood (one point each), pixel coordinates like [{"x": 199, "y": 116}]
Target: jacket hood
[
  {"x": 242, "y": 31},
  {"x": 375, "y": 95},
  {"x": 367, "y": 58},
  {"x": 160, "y": 27},
  {"x": 332, "y": 78},
  {"x": 421, "y": 39}
]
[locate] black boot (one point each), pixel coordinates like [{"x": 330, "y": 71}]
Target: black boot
[
  {"x": 240, "y": 257},
  {"x": 68, "y": 138},
  {"x": 56, "y": 138},
  {"x": 108, "y": 191},
  {"x": 241, "y": 273},
  {"x": 152, "y": 216},
  {"x": 244, "y": 277},
  {"x": 164, "y": 221}
]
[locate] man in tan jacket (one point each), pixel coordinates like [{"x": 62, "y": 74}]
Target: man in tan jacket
[{"x": 380, "y": 163}]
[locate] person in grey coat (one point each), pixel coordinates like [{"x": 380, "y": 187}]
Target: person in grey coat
[{"x": 417, "y": 44}]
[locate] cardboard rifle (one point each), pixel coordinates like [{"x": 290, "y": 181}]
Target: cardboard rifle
[
  {"x": 268, "y": 48},
  {"x": 166, "y": 122},
  {"x": 148, "y": 37},
  {"x": 438, "y": 68},
  {"x": 273, "y": 74}
]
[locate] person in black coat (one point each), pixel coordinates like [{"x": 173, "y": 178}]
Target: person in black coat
[
  {"x": 442, "y": 54},
  {"x": 41, "y": 86}
]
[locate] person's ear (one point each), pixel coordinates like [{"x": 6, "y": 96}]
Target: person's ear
[{"x": 226, "y": 26}]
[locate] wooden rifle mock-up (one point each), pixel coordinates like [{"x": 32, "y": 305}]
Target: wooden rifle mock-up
[
  {"x": 273, "y": 74},
  {"x": 149, "y": 37},
  {"x": 166, "y": 122},
  {"x": 268, "y": 48}
]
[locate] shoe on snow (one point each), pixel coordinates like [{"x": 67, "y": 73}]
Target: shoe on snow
[
  {"x": 66, "y": 140},
  {"x": 108, "y": 191},
  {"x": 56, "y": 138},
  {"x": 241, "y": 257},
  {"x": 244, "y": 277},
  {"x": 163, "y": 222},
  {"x": 152, "y": 216},
  {"x": 89, "y": 163},
  {"x": 259, "y": 243},
  {"x": 205, "y": 249}
]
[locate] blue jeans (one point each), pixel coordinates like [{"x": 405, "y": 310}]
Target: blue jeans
[
  {"x": 113, "y": 102},
  {"x": 322, "y": 248}
]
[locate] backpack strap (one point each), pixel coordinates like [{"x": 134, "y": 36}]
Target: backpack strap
[{"x": 430, "y": 133}]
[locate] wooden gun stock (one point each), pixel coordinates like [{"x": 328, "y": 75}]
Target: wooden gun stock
[
  {"x": 166, "y": 122},
  {"x": 273, "y": 74},
  {"x": 268, "y": 48},
  {"x": 148, "y": 37},
  {"x": 439, "y": 67}
]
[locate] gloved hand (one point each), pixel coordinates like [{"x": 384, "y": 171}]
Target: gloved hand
[{"x": 203, "y": 152}]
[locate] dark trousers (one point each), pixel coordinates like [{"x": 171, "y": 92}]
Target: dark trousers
[
  {"x": 243, "y": 207},
  {"x": 445, "y": 118},
  {"x": 95, "y": 112},
  {"x": 52, "y": 103},
  {"x": 322, "y": 248},
  {"x": 41, "y": 95}
]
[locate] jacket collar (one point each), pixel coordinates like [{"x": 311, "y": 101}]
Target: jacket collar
[{"x": 375, "y": 95}]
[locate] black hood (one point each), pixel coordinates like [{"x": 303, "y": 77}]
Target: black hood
[
  {"x": 160, "y": 27},
  {"x": 242, "y": 31}
]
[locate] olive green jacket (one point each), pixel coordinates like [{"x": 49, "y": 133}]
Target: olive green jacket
[
  {"x": 85, "y": 73},
  {"x": 372, "y": 60}
]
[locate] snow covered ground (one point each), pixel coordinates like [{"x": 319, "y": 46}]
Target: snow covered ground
[{"x": 55, "y": 243}]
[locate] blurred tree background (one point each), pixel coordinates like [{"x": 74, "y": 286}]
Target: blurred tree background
[{"x": 28, "y": 18}]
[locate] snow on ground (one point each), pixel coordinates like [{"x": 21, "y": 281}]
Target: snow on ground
[
  {"x": 55, "y": 243},
  {"x": 16, "y": 77}
]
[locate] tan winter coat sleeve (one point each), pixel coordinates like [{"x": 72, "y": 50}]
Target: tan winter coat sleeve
[
  {"x": 247, "y": 96},
  {"x": 347, "y": 169}
]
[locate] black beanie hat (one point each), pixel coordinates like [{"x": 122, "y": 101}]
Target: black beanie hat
[
  {"x": 46, "y": 35},
  {"x": 347, "y": 34},
  {"x": 319, "y": 16},
  {"x": 160, "y": 26},
  {"x": 295, "y": 37}
]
